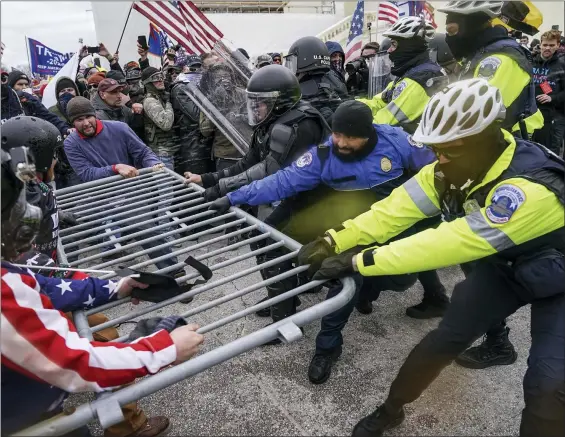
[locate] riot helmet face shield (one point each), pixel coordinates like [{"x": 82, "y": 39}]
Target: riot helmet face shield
[
  {"x": 291, "y": 62},
  {"x": 260, "y": 106}
]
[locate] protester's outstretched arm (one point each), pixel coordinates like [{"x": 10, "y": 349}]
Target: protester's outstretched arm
[{"x": 41, "y": 341}]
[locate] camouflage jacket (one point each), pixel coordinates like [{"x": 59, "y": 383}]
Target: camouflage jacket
[{"x": 159, "y": 118}]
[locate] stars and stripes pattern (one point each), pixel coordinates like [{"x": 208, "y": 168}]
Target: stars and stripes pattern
[
  {"x": 40, "y": 342},
  {"x": 388, "y": 12},
  {"x": 355, "y": 39},
  {"x": 183, "y": 22}
]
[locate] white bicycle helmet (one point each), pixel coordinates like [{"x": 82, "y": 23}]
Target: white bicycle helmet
[
  {"x": 491, "y": 8},
  {"x": 460, "y": 110},
  {"x": 409, "y": 27}
]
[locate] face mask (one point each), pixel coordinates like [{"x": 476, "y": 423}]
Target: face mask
[
  {"x": 337, "y": 65},
  {"x": 64, "y": 100},
  {"x": 461, "y": 46}
]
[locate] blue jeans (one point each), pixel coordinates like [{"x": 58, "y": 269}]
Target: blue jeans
[
  {"x": 166, "y": 194},
  {"x": 367, "y": 288},
  {"x": 148, "y": 245}
]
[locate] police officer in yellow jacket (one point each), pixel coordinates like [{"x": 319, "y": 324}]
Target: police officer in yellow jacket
[
  {"x": 488, "y": 52},
  {"x": 417, "y": 76},
  {"x": 502, "y": 200}
]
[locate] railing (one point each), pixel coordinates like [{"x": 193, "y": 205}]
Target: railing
[{"x": 137, "y": 206}]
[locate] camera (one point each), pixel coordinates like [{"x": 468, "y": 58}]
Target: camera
[{"x": 357, "y": 64}]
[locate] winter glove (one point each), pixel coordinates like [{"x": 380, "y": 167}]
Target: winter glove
[
  {"x": 221, "y": 205},
  {"x": 212, "y": 193},
  {"x": 336, "y": 266},
  {"x": 315, "y": 253},
  {"x": 67, "y": 219},
  {"x": 147, "y": 327}
]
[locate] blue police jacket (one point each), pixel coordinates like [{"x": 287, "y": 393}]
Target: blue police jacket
[{"x": 394, "y": 156}]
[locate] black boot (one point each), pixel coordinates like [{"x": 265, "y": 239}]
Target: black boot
[
  {"x": 364, "y": 306},
  {"x": 495, "y": 350},
  {"x": 433, "y": 305},
  {"x": 266, "y": 312},
  {"x": 377, "y": 422},
  {"x": 320, "y": 367}
]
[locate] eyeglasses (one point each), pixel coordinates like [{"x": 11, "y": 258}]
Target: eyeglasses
[
  {"x": 92, "y": 87},
  {"x": 450, "y": 152}
]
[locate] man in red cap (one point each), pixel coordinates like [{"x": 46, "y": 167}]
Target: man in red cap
[{"x": 109, "y": 104}]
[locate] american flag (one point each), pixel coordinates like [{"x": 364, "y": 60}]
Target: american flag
[
  {"x": 355, "y": 39},
  {"x": 388, "y": 11},
  {"x": 184, "y": 22}
]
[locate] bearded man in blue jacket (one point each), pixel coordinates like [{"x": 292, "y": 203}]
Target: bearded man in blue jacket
[{"x": 360, "y": 163}]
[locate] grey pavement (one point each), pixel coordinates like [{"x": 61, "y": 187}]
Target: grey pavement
[{"x": 267, "y": 392}]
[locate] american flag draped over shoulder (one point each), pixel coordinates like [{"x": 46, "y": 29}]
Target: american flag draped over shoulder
[
  {"x": 388, "y": 11},
  {"x": 355, "y": 39},
  {"x": 183, "y": 22}
]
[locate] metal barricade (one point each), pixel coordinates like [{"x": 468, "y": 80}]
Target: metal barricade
[{"x": 143, "y": 201}]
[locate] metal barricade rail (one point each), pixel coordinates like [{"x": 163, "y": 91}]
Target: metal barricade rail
[{"x": 160, "y": 205}]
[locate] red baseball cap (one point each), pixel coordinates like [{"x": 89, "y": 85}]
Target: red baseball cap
[{"x": 109, "y": 85}]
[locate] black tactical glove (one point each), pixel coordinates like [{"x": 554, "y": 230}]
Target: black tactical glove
[
  {"x": 67, "y": 218},
  {"x": 336, "y": 266},
  {"x": 221, "y": 205},
  {"x": 315, "y": 253},
  {"x": 212, "y": 193}
]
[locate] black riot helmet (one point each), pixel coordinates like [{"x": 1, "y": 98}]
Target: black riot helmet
[
  {"x": 39, "y": 136},
  {"x": 20, "y": 220},
  {"x": 439, "y": 50},
  {"x": 308, "y": 54},
  {"x": 271, "y": 91}
]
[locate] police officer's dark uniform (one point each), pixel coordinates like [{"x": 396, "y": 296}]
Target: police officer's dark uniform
[
  {"x": 309, "y": 59},
  {"x": 285, "y": 127}
]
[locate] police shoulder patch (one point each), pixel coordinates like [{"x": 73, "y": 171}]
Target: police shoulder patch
[
  {"x": 488, "y": 67},
  {"x": 398, "y": 89},
  {"x": 386, "y": 165},
  {"x": 414, "y": 143},
  {"x": 504, "y": 202},
  {"x": 304, "y": 160}
]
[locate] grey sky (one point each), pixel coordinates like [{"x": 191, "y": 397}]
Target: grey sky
[{"x": 58, "y": 25}]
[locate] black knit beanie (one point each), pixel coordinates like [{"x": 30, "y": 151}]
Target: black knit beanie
[
  {"x": 354, "y": 119},
  {"x": 148, "y": 72},
  {"x": 16, "y": 75},
  {"x": 63, "y": 83},
  {"x": 79, "y": 107}
]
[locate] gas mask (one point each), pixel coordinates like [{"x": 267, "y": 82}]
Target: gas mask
[{"x": 20, "y": 220}]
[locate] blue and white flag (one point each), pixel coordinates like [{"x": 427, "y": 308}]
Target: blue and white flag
[{"x": 45, "y": 60}]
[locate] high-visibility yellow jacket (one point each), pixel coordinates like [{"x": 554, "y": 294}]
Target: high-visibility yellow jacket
[
  {"x": 403, "y": 100},
  {"x": 515, "y": 210},
  {"x": 506, "y": 66}
]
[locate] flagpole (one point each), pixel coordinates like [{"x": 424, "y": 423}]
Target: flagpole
[
  {"x": 28, "y": 58},
  {"x": 124, "y": 29}
]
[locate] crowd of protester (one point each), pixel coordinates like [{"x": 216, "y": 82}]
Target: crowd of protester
[{"x": 134, "y": 116}]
